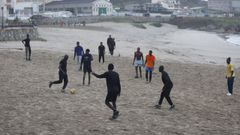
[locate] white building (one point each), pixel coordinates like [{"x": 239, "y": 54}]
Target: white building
[
  {"x": 236, "y": 6},
  {"x": 81, "y": 7},
  {"x": 102, "y": 7},
  {"x": 21, "y": 8},
  {"x": 220, "y": 5},
  {"x": 5, "y": 4},
  {"x": 168, "y": 4},
  {"x": 224, "y": 5}
]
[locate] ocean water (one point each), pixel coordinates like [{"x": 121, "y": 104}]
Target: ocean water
[{"x": 234, "y": 39}]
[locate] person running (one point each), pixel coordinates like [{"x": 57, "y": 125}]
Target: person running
[
  {"x": 101, "y": 52},
  {"x": 113, "y": 88},
  {"x": 138, "y": 62},
  {"x": 149, "y": 66},
  {"x": 230, "y": 76},
  {"x": 62, "y": 74},
  {"x": 166, "y": 90},
  {"x": 86, "y": 62},
  {"x": 111, "y": 44},
  {"x": 28, "y": 51},
  {"x": 78, "y": 52}
]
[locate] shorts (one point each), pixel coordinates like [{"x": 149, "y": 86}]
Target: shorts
[
  {"x": 138, "y": 63},
  {"x": 87, "y": 69},
  {"x": 111, "y": 96},
  {"x": 148, "y": 69}
]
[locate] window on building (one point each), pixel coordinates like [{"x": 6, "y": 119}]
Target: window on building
[{"x": 79, "y": 10}]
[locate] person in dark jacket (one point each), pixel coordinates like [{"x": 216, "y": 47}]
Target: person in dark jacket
[
  {"x": 101, "y": 52},
  {"x": 62, "y": 74},
  {"x": 113, "y": 88},
  {"x": 28, "y": 51},
  {"x": 166, "y": 88},
  {"x": 87, "y": 67},
  {"x": 111, "y": 44}
]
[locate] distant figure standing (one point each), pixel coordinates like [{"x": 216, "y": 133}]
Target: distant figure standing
[
  {"x": 166, "y": 90},
  {"x": 149, "y": 66},
  {"x": 111, "y": 44},
  {"x": 113, "y": 88},
  {"x": 138, "y": 62},
  {"x": 26, "y": 43},
  {"x": 230, "y": 76},
  {"x": 78, "y": 52},
  {"x": 62, "y": 74},
  {"x": 86, "y": 62},
  {"x": 101, "y": 52}
]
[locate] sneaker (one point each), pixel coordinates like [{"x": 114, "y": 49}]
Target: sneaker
[
  {"x": 63, "y": 91},
  {"x": 157, "y": 106},
  {"x": 50, "y": 84},
  {"x": 229, "y": 94},
  {"x": 115, "y": 114},
  {"x": 172, "y": 106}
]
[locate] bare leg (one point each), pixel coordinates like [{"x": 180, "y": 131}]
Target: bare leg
[
  {"x": 89, "y": 78},
  {"x": 136, "y": 68},
  {"x": 140, "y": 71},
  {"x": 84, "y": 78},
  {"x": 150, "y": 76},
  {"x": 146, "y": 75}
]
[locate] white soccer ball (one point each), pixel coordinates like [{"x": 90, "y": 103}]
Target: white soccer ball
[{"x": 72, "y": 91}]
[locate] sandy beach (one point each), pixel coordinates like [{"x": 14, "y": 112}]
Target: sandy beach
[
  {"x": 29, "y": 107},
  {"x": 168, "y": 42}
]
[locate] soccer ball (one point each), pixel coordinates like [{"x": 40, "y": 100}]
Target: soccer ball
[{"x": 72, "y": 91}]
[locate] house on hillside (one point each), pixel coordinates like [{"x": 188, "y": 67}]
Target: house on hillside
[
  {"x": 21, "y": 8},
  {"x": 227, "y": 6},
  {"x": 81, "y": 7},
  {"x": 168, "y": 4}
]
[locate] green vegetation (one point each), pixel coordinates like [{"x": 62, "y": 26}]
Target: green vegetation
[
  {"x": 41, "y": 39},
  {"x": 139, "y": 25},
  {"x": 156, "y": 24},
  {"x": 117, "y": 19}
]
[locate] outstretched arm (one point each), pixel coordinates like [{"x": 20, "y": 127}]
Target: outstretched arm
[
  {"x": 23, "y": 41},
  {"x": 146, "y": 61},
  {"x": 74, "y": 55},
  {"x": 61, "y": 69},
  {"x": 134, "y": 58},
  {"x": 104, "y": 75}
]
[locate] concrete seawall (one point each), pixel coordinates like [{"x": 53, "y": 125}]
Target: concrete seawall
[{"x": 18, "y": 34}]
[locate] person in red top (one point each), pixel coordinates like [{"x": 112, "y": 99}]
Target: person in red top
[{"x": 149, "y": 65}]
